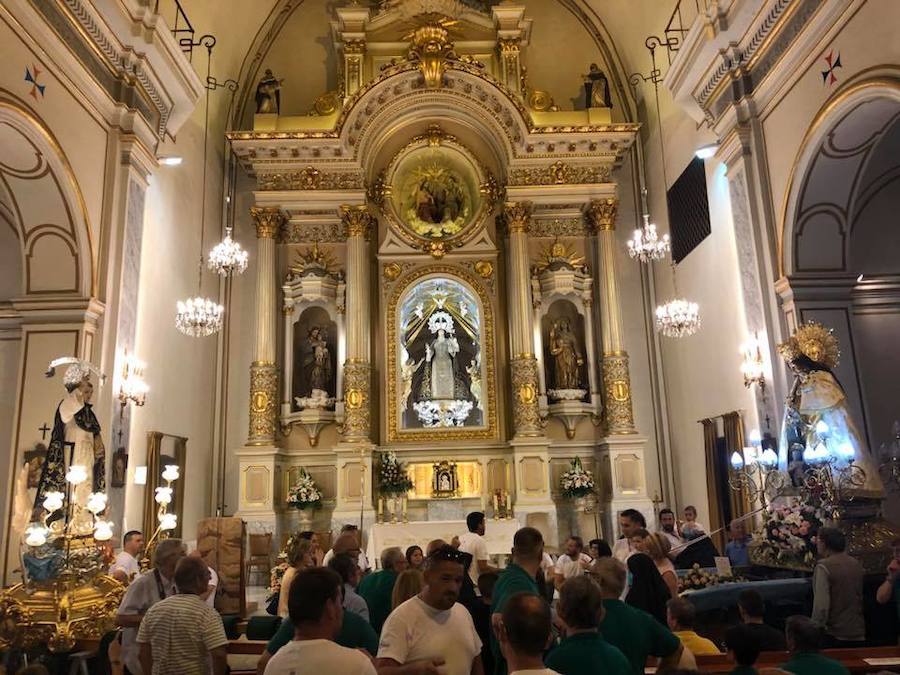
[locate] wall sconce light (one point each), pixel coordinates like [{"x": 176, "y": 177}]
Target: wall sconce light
[
  {"x": 753, "y": 364},
  {"x": 140, "y": 475},
  {"x": 706, "y": 151},
  {"x": 132, "y": 388}
]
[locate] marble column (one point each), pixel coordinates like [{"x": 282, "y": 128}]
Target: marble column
[
  {"x": 523, "y": 364},
  {"x": 263, "y": 373},
  {"x": 601, "y": 214},
  {"x": 357, "y": 368}
]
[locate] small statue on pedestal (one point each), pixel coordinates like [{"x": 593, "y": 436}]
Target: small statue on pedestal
[
  {"x": 567, "y": 361},
  {"x": 596, "y": 89},
  {"x": 268, "y": 94}
]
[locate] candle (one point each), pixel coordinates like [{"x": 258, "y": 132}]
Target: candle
[{"x": 496, "y": 504}]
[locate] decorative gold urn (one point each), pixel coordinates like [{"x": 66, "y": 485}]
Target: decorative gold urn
[{"x": 58, "y": 612}]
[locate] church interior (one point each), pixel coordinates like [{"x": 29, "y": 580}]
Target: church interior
[{"x": 294, "y": 265}]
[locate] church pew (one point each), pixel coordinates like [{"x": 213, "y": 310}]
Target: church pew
[{"x": 852, "y": 659}]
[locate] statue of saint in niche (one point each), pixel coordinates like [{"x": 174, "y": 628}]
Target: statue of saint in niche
[
  {"x": 567, "y": 358},
  {"x": 318, "y": 363}
]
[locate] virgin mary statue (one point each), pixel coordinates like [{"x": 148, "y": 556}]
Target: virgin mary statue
[
  {"x": 817, "y": 417},
  {"x": 441, "y": 381}
]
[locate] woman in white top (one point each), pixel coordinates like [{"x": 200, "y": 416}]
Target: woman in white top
[
  {"x": 299, "y": 558},
  {"x": 657, "y": 546}
]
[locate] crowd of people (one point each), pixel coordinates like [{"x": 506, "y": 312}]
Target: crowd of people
[{"x": 447, "y": 609}]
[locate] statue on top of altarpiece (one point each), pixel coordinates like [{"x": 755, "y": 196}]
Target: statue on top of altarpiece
[
  {"x": 567, "y": 357},
  {"x": 596, "y": 89},
  {"x": 268, "y": 94},
  {"x": 75, "y": 439}
]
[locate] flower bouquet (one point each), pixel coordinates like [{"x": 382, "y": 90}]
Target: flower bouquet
[
  {"x": 787, "y": 538},
  {"x": 392, "y": 477},
  {"x": 577, "y": 482},
  {"x": 305, "y": 494},
  {"x": 698, "y": 578}
]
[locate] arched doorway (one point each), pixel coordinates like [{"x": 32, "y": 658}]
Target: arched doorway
[{"x": 841, "y": 244}]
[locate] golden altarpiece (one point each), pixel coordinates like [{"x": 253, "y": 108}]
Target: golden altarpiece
[{"x": 436, "y": 276}]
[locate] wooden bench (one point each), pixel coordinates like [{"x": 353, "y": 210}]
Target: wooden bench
[{"x": 852, "y": 659}]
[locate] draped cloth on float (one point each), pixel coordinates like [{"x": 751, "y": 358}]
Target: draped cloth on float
[
  {"x": 75, "y": 440},
  {"x": 821, "y": 398}
]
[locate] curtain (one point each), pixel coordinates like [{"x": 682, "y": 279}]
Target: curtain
[
  {"x": 713, "y": 470},
  {"x": 734, "y": 442}
]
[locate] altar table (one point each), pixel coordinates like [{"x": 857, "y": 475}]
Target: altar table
[{"x": 498, "y": 535}]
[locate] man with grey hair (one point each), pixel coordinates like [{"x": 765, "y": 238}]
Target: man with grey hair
[
  {"x": 144, "y": 592},
  {"x": 376, "y": 588}
]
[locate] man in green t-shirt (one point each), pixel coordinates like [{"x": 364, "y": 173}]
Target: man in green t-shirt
[
  {"x": 518, "y": 577},
  {"x": 584, "y": 651},
  {"x": 803, "y": 641},
  {"x": 376, "y": 588},
  {"x": 890, "y": 588},
  {"x": 636, "y": 634}
]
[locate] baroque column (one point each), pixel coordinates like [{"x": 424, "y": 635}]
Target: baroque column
[
  {"x": 523, "y": 365},
  {"x": 263, "y": 373},
  {"x": 601, "y": 214},
  {"x": 357, "y": 368}
]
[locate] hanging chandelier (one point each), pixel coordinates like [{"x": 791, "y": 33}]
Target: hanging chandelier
[
  {"x": 227, "y": 257},
  {"x": 200, "y": 316},
  {"x": 645, "y": 245},
  {"x": 678, "y": 318}
]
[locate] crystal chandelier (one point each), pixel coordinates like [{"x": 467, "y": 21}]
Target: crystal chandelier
[
  {"x": 199, "y": 317},
  {"x": 227, "y": 257},
  {"x": 645, "y": 245},
  {"x": 678, "y": 318}
]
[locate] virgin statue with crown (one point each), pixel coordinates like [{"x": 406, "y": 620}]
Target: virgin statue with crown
[{"x": 818, "y": 425}]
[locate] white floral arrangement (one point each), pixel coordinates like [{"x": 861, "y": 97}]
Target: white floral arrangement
[
  {"x": 577, "y": 481},
  {"x": 443, "y": 413},
  {"x": 305, "y": 493},
  {"x": 392, "y": 477}
]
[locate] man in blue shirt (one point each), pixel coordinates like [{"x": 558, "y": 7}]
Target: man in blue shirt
[{"x": 736, "y": 549}]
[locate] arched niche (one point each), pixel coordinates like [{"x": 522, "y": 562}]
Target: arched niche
[{"x": 439, "y": 312}]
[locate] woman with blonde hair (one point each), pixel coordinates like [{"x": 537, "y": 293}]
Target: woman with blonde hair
[
  {"x": 657, "y": 546},
  {"x": 300, "y": 557},
  {"x": 408, "y": 585}
]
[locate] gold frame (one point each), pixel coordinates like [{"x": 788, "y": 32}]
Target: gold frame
[
  {"x": 489, "y": 431},
  {"x": 436, "y": 137},
  {"x": 154, "y": 446}
]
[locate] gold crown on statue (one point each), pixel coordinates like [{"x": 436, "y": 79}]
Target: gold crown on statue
[{"x": 815, "y": 342}]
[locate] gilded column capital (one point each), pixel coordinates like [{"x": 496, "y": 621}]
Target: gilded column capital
[
  {"x": 619, "y": 415},
  {"x": 516, "y": 216},
  {"x": 268, "y": 220},
  {"x": 511, "y": 45},
  {"x": 357, "y": 221},
  {"x": 601, "y": 214},
  {"x": 263, "y": 398},
  {"x": 352, "y": 47},
  {"x": 357, "y": 397},
  {"x": 526, "y": 411}
]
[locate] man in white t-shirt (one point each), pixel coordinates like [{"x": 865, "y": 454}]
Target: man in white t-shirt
[
  {"x": 473, "y": 543},
  {"x": 573, "y": 562},
  {"x": 432, "y": 628},
  {"x": 125, "y": 567},
  {"x": 356, "y": 551},
  {"x": 629, "y": 521},
  {"x": 209, "y": 595},
  {"x": 524, "y": 634},
  {"x": 314, "y": 605}
]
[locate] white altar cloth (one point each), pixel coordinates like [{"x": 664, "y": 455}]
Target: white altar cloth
[{"x": 498, "y": 535}]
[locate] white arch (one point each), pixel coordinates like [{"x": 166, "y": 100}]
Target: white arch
[{"x": 824, "y": 122}]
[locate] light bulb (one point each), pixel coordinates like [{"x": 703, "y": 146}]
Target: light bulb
[
  {"x": 755, "y": 437},
  {"x": 737, "y": 462},
  {"x": 846, "y": 451},
  {"x": 36, "y": 536},
  {"x": 168, "y": 521},
  {"x": 163, "y": 495},
  {"x": 822, "y": 427},
  {"x": 76, "y": 474},
  {"x": 769, "y": 458},
  {"x": 53, "y": 501},
  {"x": 171, "y": 472},
  {"x": 96, "y": 502},
  {"x": 103, "y": 530}
]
